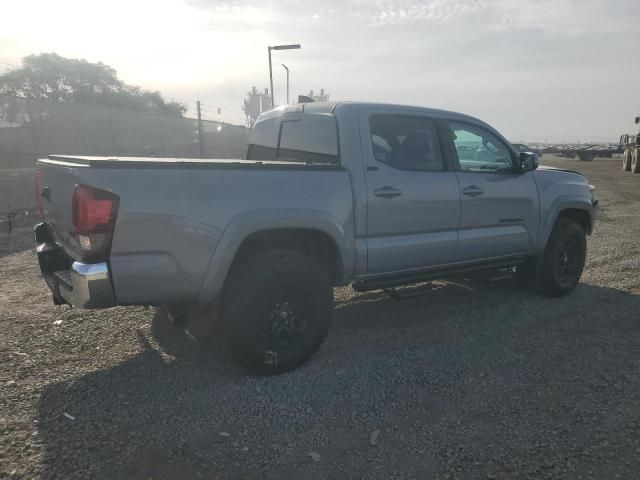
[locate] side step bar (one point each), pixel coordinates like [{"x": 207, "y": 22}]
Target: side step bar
[
  {"x": 405, "y": 293},
  {"x": 417, "y": 277}
]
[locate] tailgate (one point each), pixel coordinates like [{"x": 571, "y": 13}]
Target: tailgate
[{"x": 55, "y": 187}]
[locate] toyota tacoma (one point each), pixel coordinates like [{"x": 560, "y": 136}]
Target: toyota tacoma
[{"x": 329, "y": 194}]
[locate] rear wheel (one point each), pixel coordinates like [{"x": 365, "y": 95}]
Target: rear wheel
[
  {"x": 626, "y": 160},
  {"x": 635, "y": 162},
  {"x": 563, "y": 258},
  {"x": 276, "y": 309}
]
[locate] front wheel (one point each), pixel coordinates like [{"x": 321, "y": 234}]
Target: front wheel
[
  {"x": 276, "y": 308},
  {"x": 563, "y": 259}
]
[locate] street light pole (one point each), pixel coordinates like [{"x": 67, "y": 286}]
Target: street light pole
[
  {"x": 200, "y": 139},
  {"x": 273, "y": 105},
  {"x": 287, "y": 69},
  {"x": 277, "y": 47}
]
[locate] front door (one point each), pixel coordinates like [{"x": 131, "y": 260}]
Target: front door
[
  {"x": 413, "y": 197},
  {"x": 499, "y": 206}
]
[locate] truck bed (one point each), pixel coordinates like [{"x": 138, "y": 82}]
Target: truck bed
[
  {"x": 155, "y": 162},
  {"x": 173, "y": 212}
]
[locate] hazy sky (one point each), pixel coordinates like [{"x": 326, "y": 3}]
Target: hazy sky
[{"x": 536, "y": 69}]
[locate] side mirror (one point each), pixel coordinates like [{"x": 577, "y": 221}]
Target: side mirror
[
  {"x": 528, "y": 161},
  {"x": 637, "y": 120}
]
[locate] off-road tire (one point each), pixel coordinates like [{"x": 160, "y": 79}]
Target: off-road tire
[
  {"x": 626, "y": 161},
  {"x": 261, "y": 291},
  {"x": 635, "y": 161},
  {"x": 566, "y": 249}
]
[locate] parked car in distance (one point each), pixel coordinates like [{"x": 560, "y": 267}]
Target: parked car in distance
[
  {"x": 522, "y": 148},
  {"x": 329, "y": 194}
]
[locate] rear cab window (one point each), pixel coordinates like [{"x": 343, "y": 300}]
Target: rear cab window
[
  {"x": 263, "y": 141},
  {"x": 305, "y": 138}
]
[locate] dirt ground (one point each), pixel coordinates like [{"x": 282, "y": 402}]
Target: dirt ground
[{"x": 474, "y": 380}]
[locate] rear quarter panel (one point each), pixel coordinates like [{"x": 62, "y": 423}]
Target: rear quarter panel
[{"x": 171, "y": 221}]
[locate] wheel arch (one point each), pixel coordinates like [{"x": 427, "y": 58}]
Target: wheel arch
[
  {"x": 312, "y": 242},
  {"x": 579, "y": 215},
  {"x": 577, "y": 209},
  {"x": 313, "y": 233}
]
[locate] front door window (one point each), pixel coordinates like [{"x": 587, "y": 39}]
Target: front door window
[{"x": 480, "y": 150}]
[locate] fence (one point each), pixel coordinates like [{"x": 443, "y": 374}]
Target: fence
[
  {"x": 17, "y": 192},
  {"x": 30, "y": 129}
]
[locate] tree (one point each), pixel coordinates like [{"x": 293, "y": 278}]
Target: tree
[{"x": 50, "y": 77}]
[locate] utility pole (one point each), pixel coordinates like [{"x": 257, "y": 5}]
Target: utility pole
[
  {"x": 273, "y": 105},
  {"x": 200, "y": 139},
  {"x": 287, "y": 69}
]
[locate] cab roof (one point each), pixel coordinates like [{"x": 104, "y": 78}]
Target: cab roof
[{"x": 333, "y": 107}]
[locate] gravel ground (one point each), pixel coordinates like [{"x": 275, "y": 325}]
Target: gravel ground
[{"x": 470, "y": 381}]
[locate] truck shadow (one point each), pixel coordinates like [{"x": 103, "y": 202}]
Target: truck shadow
[{"x": 178, "y": 409}]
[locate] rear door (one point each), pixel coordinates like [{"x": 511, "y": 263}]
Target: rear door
[
  {"x": 499, "y": 206},
  {"x": 413, "y": 207}
]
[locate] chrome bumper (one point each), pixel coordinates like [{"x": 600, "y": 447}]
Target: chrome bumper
[
  {"x": 86, "y": 285},
  {"x": 83, "y": 285}
]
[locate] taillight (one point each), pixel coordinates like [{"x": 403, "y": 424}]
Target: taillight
[
  {"x": 93, "y": 209},
  {"x": 94, "y": 218},
  {"x": 39, "y": 193}
]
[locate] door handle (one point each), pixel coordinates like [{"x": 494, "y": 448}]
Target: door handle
[
  {"x": 46, "y": 193},
  {"x": 387, "y": 192},
  {"x": 472, "y": 191}
]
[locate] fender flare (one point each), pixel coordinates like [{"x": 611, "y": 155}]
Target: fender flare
[
  {"x": 248, "y": 223},
  {"x": 560, "y": 204}
]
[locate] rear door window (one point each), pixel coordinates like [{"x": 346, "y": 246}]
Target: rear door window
[{"x": 406, "y": 142}]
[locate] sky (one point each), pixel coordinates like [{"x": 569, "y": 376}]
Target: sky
[{"x": 555, "y": 70}]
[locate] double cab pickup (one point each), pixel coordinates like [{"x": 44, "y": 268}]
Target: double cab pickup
[{"x": 329, "y": 194}]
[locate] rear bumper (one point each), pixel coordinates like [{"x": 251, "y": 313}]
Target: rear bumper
[
  {"x": 88, "y": 286},
  {"x": 83, "y": 285}
]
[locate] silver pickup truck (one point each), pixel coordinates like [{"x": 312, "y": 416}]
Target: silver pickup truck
[{"x": 329, "y": 194}]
